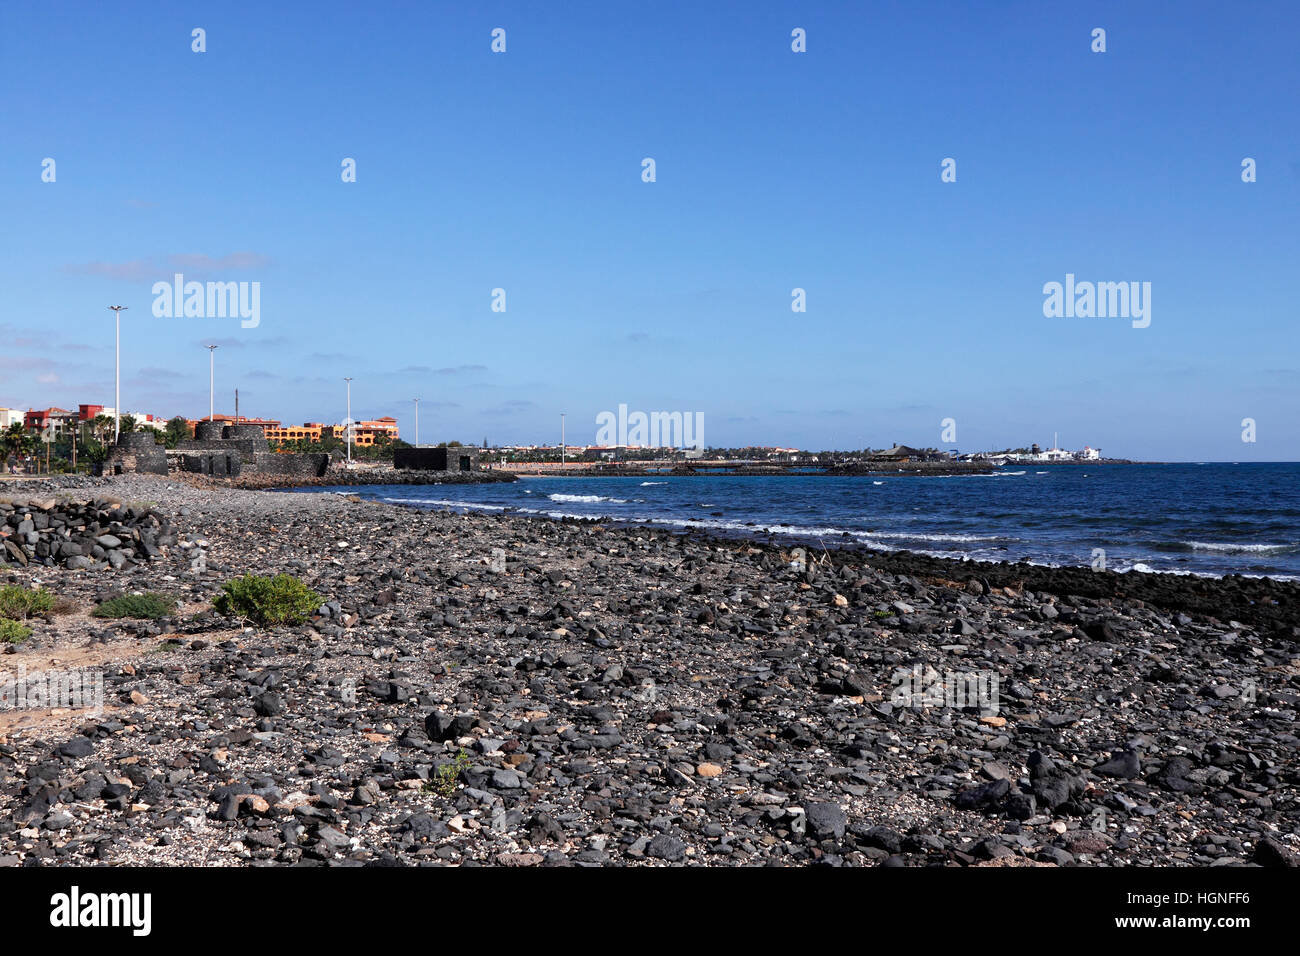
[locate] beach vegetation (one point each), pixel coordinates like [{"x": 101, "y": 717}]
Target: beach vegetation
[
  {"x": 443, "y": 779},
  {"x": 282, "y": 599},
  {"x": 148, "y": 607},
  {"x": 13, "y": 632},
  {"x": 19, "y": 603}
]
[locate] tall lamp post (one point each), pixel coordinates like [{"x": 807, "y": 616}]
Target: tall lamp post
[
  {"x": 348, "y": 424},
  {"x": 562, "y": 449},
  {"x": 212, "y": 378},
  {"x": 417, "y": 423},
  {"x": 117, "y": 373}
]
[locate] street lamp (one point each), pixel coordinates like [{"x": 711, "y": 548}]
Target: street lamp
[
  {"x": 417, "y": 423},
  {"x": 117, "y": 373},
  {"x": 212, "y": 364},
  {"x": 348, "y": 423},
  {"x": 561, "y": 441}
]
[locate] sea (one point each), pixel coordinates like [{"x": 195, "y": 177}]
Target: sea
[{"x": 1207, "y": 519}]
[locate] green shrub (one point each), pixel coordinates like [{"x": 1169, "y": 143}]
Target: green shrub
[
  {"x": 19, "y": 603},
  {"x": 444, "y": 777},
  {"x": 12, "y": 632},
  {"x": 147, "y": 606},
  {"x": 282, "y": 599}
]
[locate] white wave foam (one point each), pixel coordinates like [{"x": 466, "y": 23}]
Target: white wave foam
[
  {"x": 918, "y": 536},
  {"x": 444, "y": 503},
  {"x": 647, "y": 484},
  {"x": 1238, "y": 548},
  {"x": 587, "y": 499}
]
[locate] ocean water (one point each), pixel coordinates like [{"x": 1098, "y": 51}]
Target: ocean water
[{"x": 1209, "y": 519}]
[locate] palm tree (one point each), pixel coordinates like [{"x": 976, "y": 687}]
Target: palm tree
[
  {"x": 178, "y": 430},
  {"x": 102, "y": 427}
]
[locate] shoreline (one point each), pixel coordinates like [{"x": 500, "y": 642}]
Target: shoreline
[
  {"x": 839, "y": 542},
  {"x": 1081, "y": 576},
  {"x": 637, "y": 696}
]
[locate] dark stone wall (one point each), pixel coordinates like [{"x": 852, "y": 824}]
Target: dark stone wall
[
  {"x": 228, "y": 460},
  {"x": 464, "y": 458},
  {"x": 228, "y": 451},
  {"x": 254, "y": 435},
  {"x": 241, "y": 446},
  {"x": 219, "y": 464},
  {"x": 136, "y": 452},
  {"x": 290, "y": 466}
]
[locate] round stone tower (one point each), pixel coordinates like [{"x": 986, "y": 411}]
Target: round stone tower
[
  {"x": 136, "y": 452},
  {"x": 208, "y": 431}
]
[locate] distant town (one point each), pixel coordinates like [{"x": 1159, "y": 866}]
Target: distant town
[{"x": 62, "y": 440}]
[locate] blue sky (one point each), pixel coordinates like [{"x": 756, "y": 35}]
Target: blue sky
[{"x": 775, "y": 170}]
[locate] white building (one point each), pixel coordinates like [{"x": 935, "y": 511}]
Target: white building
[
  {"x": 8, "y": 416},
  {"x": 143, "y": 420},
  {"x": 1056, "y": 452},
  {"x": 1089, "y": 453}
]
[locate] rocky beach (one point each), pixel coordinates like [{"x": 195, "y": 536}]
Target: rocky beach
[{"x": 490, "y": 689}]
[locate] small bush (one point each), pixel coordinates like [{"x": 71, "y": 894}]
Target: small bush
[
  {"x": 12, "y": 632},
  {"x": 444, "y": 776},
  {"x": 147, "y": 606},
  {"x": 18, "y": 603},
  {"x": 282, "y": 599}
]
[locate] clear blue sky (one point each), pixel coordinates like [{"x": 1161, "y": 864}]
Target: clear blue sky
[{"x": 775, "y": 170}]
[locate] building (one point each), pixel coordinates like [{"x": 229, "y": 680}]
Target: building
[
  {"x": 364, "y": 434},
  {"x": 455, "y": 458},
  {"x": 307, "y": 431},
  {"x": 60, "y": 419},
  {"x": 1089, "y": 453},
  {"x": 266, "y": 424},
  {"x": 899, "y": 453},
  {"x": 229, "y": 451},
  {"x": 143, "y": 420},
  {"x": 10, "y": 417},
  {"x": 135, "y": 453},
  {"x": 1056, "y": 452}
]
